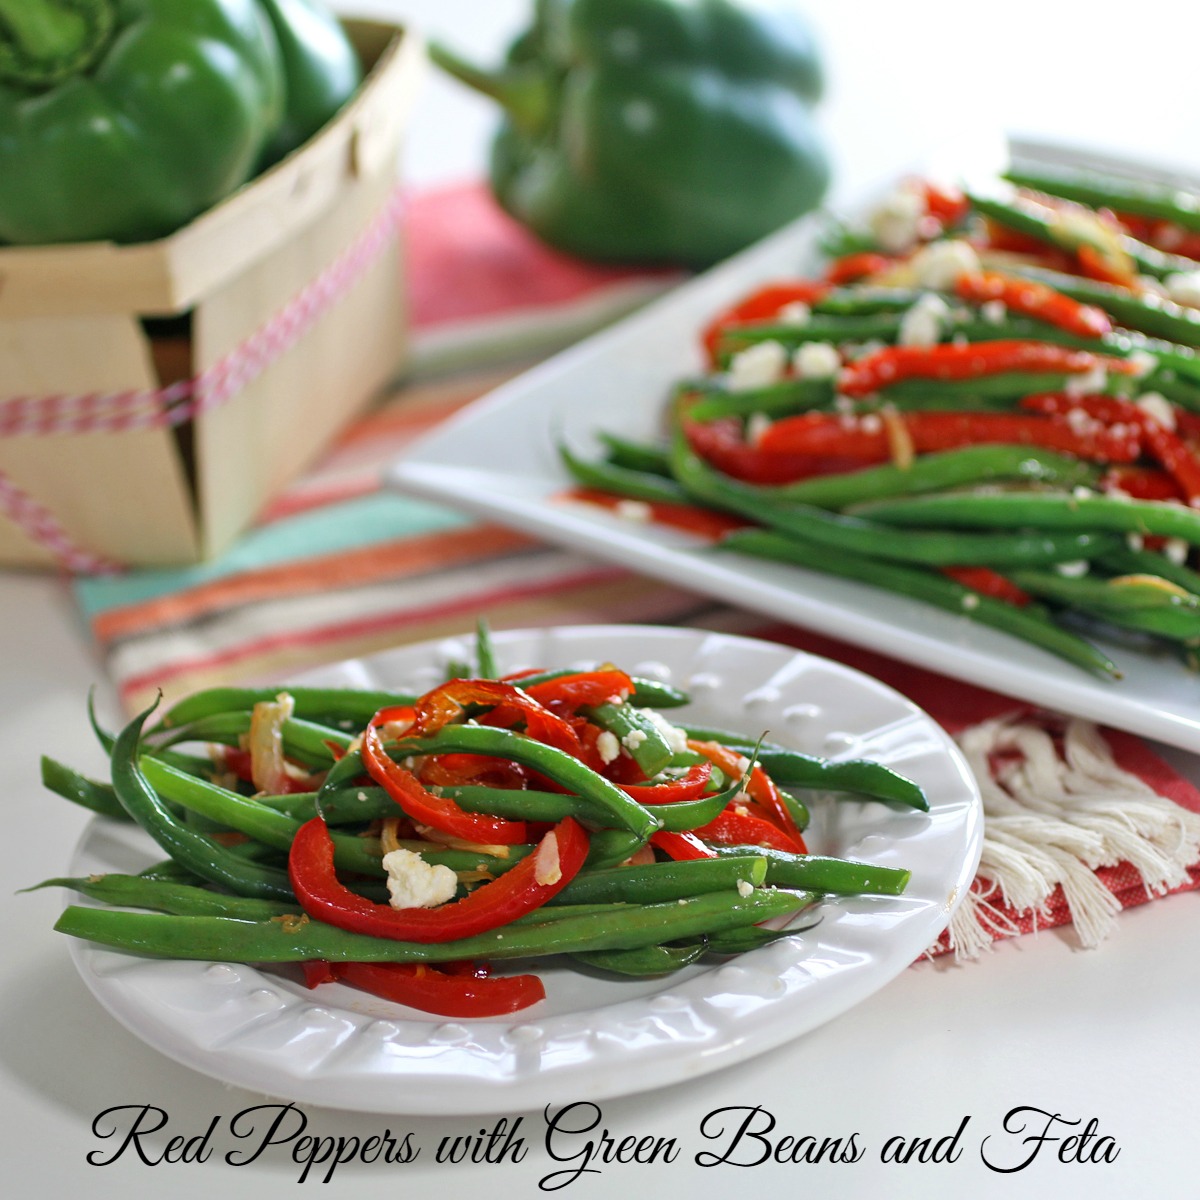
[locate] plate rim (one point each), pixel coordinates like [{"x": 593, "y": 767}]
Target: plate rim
[{"x": 526, "y": 1093}]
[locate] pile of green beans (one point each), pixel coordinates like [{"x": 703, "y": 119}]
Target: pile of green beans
[
  {"x": 1070, "y": 560},
  {"x": 223, "y": 891}
]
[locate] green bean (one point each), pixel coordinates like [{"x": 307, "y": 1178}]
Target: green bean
[
  {"x": 646, "y": 962},
  {"x": 1145, "y": 606},
  {"x": 343, "y": 806},
  {"x": 787, "y": 396},
  {"x": 199, "y": 854},
  {"x": 867, "y": 299},
  {"x": 1042, "y": 510},
  {"x": 638, "y": 485},
  {"x": 793, "y": 768},
  {"x": 682, "y": 815},
  {"x": 1126, "y": 561},
  {"x": 857, "y": 536},
  {"x": 485, "y": 654},
  {"x": 248, "y": 816},
  {"x": 346, "y": 706},
  {"x": 225, "y": 939},
  {"x": 531, "y": 805},
  {"x": 637, "y": 456},
  {"x": 609, "y": 847},
  {"x": 636, "y": 731},
  {"x": 833, "y": 876},
  {"x": 880, "y": 326},
  {"x": 932, "y": 588},
  {"x": 656, "y": 883},
  {"x": 1097, "y": 189},
  {"x": 554, "y": 763},
  {"x": 183, "y": 899},
  {"x": 839, "y": 239},
  {"x": 936, "y": 472},
  {"x": 753, "y": 937},
  {"x": 520, "y": 804},
  {"x": 91, "y": 794},
  {"x": 1144, "y": 312},
  {"x": 307, "y": 741},
  {"x": 1148, "y": 260}
]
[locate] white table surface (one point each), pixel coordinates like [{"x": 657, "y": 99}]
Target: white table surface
[{"x": 1109, "y": 1034}]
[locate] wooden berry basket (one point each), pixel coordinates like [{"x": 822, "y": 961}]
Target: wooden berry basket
[{"x": 154, "y": 397}]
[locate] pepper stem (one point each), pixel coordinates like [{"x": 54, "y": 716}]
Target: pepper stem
[
  {"x": 43, "y": 42},
  {"x": 524, "y": 94}
]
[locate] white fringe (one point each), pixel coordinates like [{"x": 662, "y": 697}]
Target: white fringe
[{"x": 1052, "y": 818}]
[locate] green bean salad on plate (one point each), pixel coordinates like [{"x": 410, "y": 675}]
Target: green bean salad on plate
[{"x": 412, "y": 846}]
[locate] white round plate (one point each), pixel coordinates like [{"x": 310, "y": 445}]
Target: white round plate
[{"x": 261, "y": 1029}]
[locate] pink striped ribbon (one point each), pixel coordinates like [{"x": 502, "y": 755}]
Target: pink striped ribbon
[{"x": 177, "y": 403}]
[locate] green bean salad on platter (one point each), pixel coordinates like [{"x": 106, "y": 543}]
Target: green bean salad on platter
[{"x": 986, "y": 402}]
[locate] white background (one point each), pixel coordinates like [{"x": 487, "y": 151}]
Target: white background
[{"x": 1109, "y": 1034}]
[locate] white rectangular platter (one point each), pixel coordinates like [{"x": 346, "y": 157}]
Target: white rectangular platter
[{"x": 497, "y": 459}]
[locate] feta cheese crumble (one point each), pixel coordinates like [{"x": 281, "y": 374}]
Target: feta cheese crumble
[
  {"x": 634, "y": 510},
  {"x": 608, "y": 747},
  {"x": 414, "y": 883},
  {"x": 816, "y": 360},
  {"x": 923, "y": 322},
  {"x": 1073, "y": 570},
  {"x": 1158, "y": 408},
  {"x": 757, "y": 366},
  {"x": 940, "y": 264},
  {"x": 675, "y": 737},
  {"x": 633, "y": 739},
  {"x": 896, "y": 223},
  {"x": 1184, "y": 288}
]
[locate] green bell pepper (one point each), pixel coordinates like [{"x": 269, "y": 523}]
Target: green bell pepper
[
  {"x": 321, "y": 70},
  {"x": 655, "y": 130},
  {"x": 122, "y": 120}
]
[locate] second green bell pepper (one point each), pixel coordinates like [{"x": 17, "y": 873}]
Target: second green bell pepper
[
  {"x": 320, "y": 68},
  {"x": 673, "y": 131}
]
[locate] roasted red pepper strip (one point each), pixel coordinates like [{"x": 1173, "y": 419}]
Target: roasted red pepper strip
[
  {"x": 852, "y": 267},
  {"x": 238, "y": 761},
  {"x": 509, "y": 706},
  {"x": 737, "y": 827},
  {"x": 555, "y": 862},
  {"x": 451, "y": 770},
  {"x": 971, "y": 361},
  {"x": 687, "y": 787},
  {"x": 762, "y": 305},
  {"x": 761, "y": 787},
  {"x": 1168, "y": 448},
  {"x": 1035, "y": 300},
  {"x": 1142, "y": 483},
  {"x": 682, "y": 847},
  {"x": 721, "y": 443},
  {"x": 439, "y": 991},
  {"x": 868, "y": 439},
  {"x": 586, "y": 687},
  {"x": 1095, "y": 265},
  {"x": 948, "y": 205},
  {"x": 987, "y": 582},
  {"x": 428, "y": 808},
  {"x": 691, "y": 518}
]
